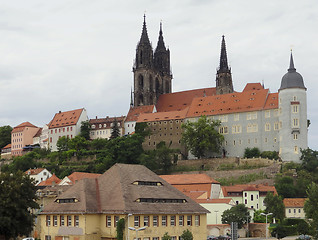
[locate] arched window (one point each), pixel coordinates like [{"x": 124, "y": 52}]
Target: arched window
[
  {"x": 141, "y": 100},
  {"x": 167, "y": 87}
]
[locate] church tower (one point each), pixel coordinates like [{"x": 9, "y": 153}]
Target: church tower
[
  {"x": 162, "y": 66},
  {"x": 293, "y": 133},
  {"x": 223, "y": 77},
  {"x": 152, "y": 75}
]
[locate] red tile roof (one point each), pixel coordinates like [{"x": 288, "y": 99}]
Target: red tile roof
[
  {"x": 35, "y": 171},
  {"x": 76, "y": 176},
  {"x": 180, "y": 100},
  {"x": 7, "y": 146},
  {"x": 182, "y": 179},
  {"x": 245, "y": 101},
  {"x": 161, "y": 116},
  {"x": 295, "y": 202},
  {"x": 134, "y": 112},
  {"x": 253, "y": 86},
  {"x": 49, "y": 181},
  {"x": 218, "y": 200},
  {"x": 271, "y": 101},
  {"x": 21, "y": 127},
  {"x": 248, "y": 187},
  {"x": 68, "y": 118}
]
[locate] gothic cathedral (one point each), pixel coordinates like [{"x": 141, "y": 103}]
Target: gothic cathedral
[{"x": 152, "y": 75}]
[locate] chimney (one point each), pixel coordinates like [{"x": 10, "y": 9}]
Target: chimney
[
  {"x": 59, "y": 111},
  {"x": 96, "y": 117}
]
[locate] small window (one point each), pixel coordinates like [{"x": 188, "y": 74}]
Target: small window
[
  {"x": 164, "y": 221},
  {"x": 76, "y": 221},
  {"x": 189, "y": 220},
  {"x": 69, "y": 220},
  {"x": 155, "y": 221},
  {"x": 173, "y": 221},
  {"x": 181, "y": 220},
  {"x": 108, "y": 221},
  {"x": 197, "y": 220},
  {"x": 146, "y": 221},
  {"x": 136, "y": 221},
  {"x": 54, "y": 220}
]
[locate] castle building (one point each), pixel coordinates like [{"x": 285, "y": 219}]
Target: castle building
[
  {"x": 103, "y": 127},
  {"x": 252, "y": 118},
  {"x": 152, "y": 75}
]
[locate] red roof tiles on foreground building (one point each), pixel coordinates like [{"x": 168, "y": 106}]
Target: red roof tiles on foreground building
[{"x": 62, "y": 119}]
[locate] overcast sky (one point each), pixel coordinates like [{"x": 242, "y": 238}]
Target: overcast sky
[{"x": 68, "y": 54}]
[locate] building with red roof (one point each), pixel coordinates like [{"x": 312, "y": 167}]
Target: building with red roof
[
  {"x": 252, "y": 195},
  {"x": 252, "y": 118},
  {"x": 38, "y": 174},
  {"x": 294, "y": 207},
  {"x": 76, "y": 176},
  {"x": 102, "y": 127},
  {"x": 22, "y": 136},
  {"x": 67, "y": 124}
]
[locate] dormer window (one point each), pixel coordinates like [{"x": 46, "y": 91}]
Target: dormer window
[
  {"x": 147, "y": 183},
  {"x": 161, "y": 200},
  {"x": 66, "y": 200}
]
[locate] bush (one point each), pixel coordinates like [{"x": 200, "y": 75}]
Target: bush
[
  {"x": 252, "y": 152},
  {"x": 270, "y": 155}
]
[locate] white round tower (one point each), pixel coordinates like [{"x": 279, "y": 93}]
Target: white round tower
[{"x": 293, "y": 115}]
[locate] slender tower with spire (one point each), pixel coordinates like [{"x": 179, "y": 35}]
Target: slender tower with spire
[
  {"x": 152, "y": 76},
  {"x": 293, "y": 133},
  {"x": 223, "y": 77}
]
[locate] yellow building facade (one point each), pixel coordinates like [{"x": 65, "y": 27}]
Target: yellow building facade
[{"x": 83, "y": 215}]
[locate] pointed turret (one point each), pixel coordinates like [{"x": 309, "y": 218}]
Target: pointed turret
[
  {"x": 162, "y": 55},
  {"x": 223, "y": 77},
  {"x": 223, "y": 58},
  {"x": 144, "y": 53},
  {"x": 292, "y": 79}
]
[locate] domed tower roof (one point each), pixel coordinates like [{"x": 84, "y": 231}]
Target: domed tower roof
[{"x": 292, "y": 79}]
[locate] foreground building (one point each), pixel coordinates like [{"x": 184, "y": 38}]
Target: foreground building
[
  {"x": 294, "y": 207},
  {"x": 91, "y": 208}
]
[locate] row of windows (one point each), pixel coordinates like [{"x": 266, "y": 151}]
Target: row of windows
[
  {"x": 155, "y": 143},
  {"x": 252, "y": 196},
  {"x": 62, "y": 221},
  {"x": 249, "y": 141},
  {"x": 63, "y": 129},
  {"x": 252, "y": 127},
  {"x": 105, "y": 125},
  {"x": 295, "y": 210},
  {"x": 17, "y": 140},
  {"x": 16, "y": 134},
  {"x": 164, "y": 122},
  {"x": 17, "y": 146},
  {"x": 165, "y": 220}
]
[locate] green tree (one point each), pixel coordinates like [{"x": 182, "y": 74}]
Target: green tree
[
  {"x": 120, "y": 229},
  {"x": 166, "y": 236},
  {"x": 202, "y": 136},
  {"x": 259, "y": 218},
  {"x": 17, "y": 197},
  {"x": 115, "y": 130},
  {"x": 309, "y": 159},
  {"x": 62, "y": 144},
  {"x": 285, "y": 186},
  {"x": 311, "y": 206},
  {"x": 238, "y": 213},
  {"x": 274, "y": 204},
  {"x": 78, "y": 143},
  {"x": 85, "y": 129},
  {"x": 5, "y": 136},
  {"x": 280, "y": 231},
  {"x": 252, "y": 152},
  {"x": 164, "y": 157},
  {"x": 187, "y": 235}
]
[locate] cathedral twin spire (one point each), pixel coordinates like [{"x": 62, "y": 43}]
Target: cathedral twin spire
[{"x": 152, "y": 76}]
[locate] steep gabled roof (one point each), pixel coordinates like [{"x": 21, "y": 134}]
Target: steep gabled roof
[
  {"x": 246, "y": 101},
  {"x": 125, "y": 189},
  {"x": 180, "y": 100},
  {"x": 21, "y": 127},
  {"x": 294, "y": 202},
  {"x": 63, "y": 119},
  {"x": 35, "y": 171},
  {"x": 49, "y": 181},
  {"x": 134, "y": 112},
  {"x": 7, "y": 146}
]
